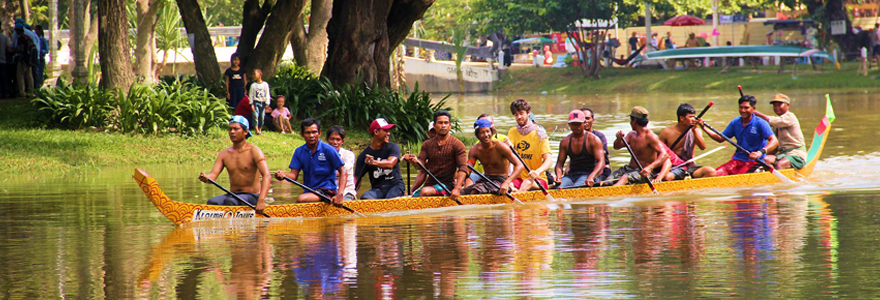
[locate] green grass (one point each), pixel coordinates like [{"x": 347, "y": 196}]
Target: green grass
[{"x": 620, "y": 80}]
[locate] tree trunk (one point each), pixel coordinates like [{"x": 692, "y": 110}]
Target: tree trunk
[
  {"x": 836, "y": 10},
  {"x": 253, "y": 18},
  {"x": 310, "y": 49},
  {"x": 7, "y": 15},
  {"x": 113, "y": 46},
  {"x": 362, "y": 35},
  {"x": 207, "y": 68},
  {"x": 25, "y": 13},
  {"x": 275, "y": 37},
  {"x": 146, "y": 28}
]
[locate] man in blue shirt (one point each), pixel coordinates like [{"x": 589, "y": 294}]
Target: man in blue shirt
[
  {"x": 753, "y": 134},
  {"x": 320, "y": 162}
]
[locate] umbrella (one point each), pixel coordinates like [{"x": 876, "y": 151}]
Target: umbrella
[{"x": 684, "y": 20}]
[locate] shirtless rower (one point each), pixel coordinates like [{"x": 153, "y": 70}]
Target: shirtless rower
[
  {"x": 647, "y": 148},
  {"x": 496, "y": 158},
  {"x": 685, "y": 148},
  {"x": 585, "y": 150},
  {"x": 247, "y": 168}
]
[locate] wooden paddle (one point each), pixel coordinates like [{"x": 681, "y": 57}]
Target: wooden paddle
[
  {"x": 543, "y": 190},
  {"x": 760, "y": 162},
  {"x": 683, "y": 133},
  {"x": 740, "y": 90},
  {"x": 494, "y": 184},
  {"x": 636, "y": 159},
  {"x": 418, "y": 163},
  {"x": 236, "y": 196},
  {"x": 699, "y": 157},
  {"x": 407, "y": 179},
  {"x": 323, "y": 197}
]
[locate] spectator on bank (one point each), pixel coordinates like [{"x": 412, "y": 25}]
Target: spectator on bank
[
  {"x": 236, "y": 80},
  {"x": 25, "y": 57},
  {"x": 40, "y": 70},
  {"x": 281, "y": 116},
  {"x": 5, "y": 69},
  {"x": 260, "y": 99}
]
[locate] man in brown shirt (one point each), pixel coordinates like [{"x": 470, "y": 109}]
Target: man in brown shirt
[
  {"x": 445, "y": 157},
  {"x": 791, "y": 152}
]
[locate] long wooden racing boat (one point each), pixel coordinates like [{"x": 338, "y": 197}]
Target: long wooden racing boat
[{"x": 181, "y": 212}]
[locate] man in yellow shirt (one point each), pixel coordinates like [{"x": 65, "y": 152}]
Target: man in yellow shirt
[{"x": 532, "y": 144}]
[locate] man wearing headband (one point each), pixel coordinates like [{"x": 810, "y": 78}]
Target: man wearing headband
[
  {"x": 495, "y": 156},
  {"x": 647, "y": 149},
  {"x": 495, "y": 136},
  {"x": 247, "y": 168}
]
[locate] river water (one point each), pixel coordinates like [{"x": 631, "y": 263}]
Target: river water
[{"x": 95, "y": 235}]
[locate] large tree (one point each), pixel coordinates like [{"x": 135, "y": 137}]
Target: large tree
[
  {"x": 207, "y": 68},
  {"x": 113, "y": 45},
  {"x": 363, "y": 34},
  {"x": 147, "y": 17},
  {"x": 277, "y": 19},
  {"x": 310, "y": 45}
]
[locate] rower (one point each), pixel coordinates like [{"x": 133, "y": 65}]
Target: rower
[
  {"x": 685, "y": 149},
  {"x": 751, "y": 133},
  {"x": 585, "y": 150},
  {"x": 379, "y": 160},
  {"x": 532, "y": 144},
  {"x": 247, "y": 168},
  {"x": 317, "y": 160},
  {"x": 590, "y": 118},
  {"x": 646, "y": 147},
  {"x": 496, "y": 158},
  {"x": 335, "y": 138},
  {"x": 791, "y": 152},
  {"x": 445, "y": 157},
  {"x": 495, "y": 136}
]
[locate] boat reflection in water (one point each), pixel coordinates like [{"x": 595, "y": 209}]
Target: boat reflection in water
[{"x": 667, "y": 249}]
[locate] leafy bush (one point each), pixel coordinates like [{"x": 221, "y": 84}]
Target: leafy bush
[
  {"x": 355, "y": 106},
  {"x": 166, "y": 107},
  {"x": 75, "y": 107}
]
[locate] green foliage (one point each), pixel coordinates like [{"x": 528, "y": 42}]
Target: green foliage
[
  {"x": 74, "y": 107},
  {"x": 179, "y": 106},
  {"x": 355, "y": 106}
]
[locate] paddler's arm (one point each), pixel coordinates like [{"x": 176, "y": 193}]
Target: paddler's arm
[
  {"x": 341, "y": 183},
  {"x": 711, "y": 134},
  {"x": 265, "y": 179},
  {"x": 663, "y": 171},
  {"x": 294, "y": 174},
  {"x": 215, "y": 170},
  {"x": 762, "y": 116},
  {"x": 662, "y": 157},
  {"x": 461, "y": 157},
  {"x": 598, "y": 157},
  {"x": 560, "y": 161},
  {"x": 698, "y": 138},
  {"x": 518, "y": 168}
]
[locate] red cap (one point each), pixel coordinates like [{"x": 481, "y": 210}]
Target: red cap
[
  {"x": 577, "y": 116},
  {"x": 380, "y": 123}
]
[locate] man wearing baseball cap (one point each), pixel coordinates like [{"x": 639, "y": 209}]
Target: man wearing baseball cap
[
  {"x": 242, "y": 161},
  {"x": 586, "y": 153},
  {"x": 381, "y": 161},
  {"x": 791, "y": 152},
  {"x": 647, "y": 149}
]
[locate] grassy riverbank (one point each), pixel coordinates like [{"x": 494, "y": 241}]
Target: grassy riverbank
[
  {"x": 620, "y": 80},
  {"x": 27, "y": 150}
]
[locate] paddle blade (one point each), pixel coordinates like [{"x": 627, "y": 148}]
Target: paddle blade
[
  {"x": 781, "y": 177},
  {"x": 549, "y": 197}
]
